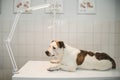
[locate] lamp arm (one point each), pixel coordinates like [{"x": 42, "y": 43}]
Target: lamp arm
[
  {"x": 8, "y": 41},
  {"x": 38, "y": 7},
  {"x": 12, "y": 31},
  {"x": 54, "y": 18},
  {"x": 14, "y": 26}
]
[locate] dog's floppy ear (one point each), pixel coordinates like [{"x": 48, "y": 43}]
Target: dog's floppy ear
[
  {"x": 61, "y": 44},
  {"x": 52, "y": 41}
]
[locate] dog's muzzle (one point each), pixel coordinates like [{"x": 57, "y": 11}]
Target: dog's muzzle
[{"x": 48, "y": 53}]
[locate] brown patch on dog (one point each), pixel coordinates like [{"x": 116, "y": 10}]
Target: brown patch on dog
[
  {"x": 104, "y": 56},
  {"x": 81, "y": 56},
  {"x": 60, "y": 44},
  {"x": 90, "y": 53}
]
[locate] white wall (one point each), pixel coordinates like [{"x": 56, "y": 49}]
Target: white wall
[
  {"x": 117, "y": 10},
  {"x": 117, "y": 32},
  {"x": 100, "y": 32}
]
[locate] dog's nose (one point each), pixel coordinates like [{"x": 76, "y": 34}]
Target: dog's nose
[{"x": 47, "y": 53}]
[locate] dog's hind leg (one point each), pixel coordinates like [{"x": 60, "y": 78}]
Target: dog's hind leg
[
  {"x": 63, "y": 67},
  {"x": 68, "y": 68},
  {"x": 55, "y": 68}
]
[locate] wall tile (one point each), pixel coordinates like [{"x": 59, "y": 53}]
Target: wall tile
[
  {"x": 97, "y": 38},
  {"x": 7, "y": 74},
  {"x": 112, "y": 39},
  {"x": 111, "y": 24},
  {"x": 80, "y": 38},
  {"x": 105, "y": 27},
  {"x": 117, "y": 51},
  {"x": 63, "y": 26},
  {"x": 117, "y": 63},
  {"x": 98, "y": 26},
  {"x": 88, "y": 38},
  {"x": 80, "y": 26},
  {"x": 1, "y": 63},
  {"x": 97, "y": 48},
  {"x": 1, "y": 74},
  {"x": 111, "y": 50},
  {"x": 72, "y": 26},
  {"x": 117, "y": 39},
  {"x": 105, "y": 38},
  {"x": 117, "y": 27}
]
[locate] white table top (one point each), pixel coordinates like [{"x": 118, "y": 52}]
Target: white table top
[{"x": 38, "y": 69}]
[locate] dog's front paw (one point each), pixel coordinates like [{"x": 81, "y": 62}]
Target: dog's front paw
[
  {"x": 55, "y": 61},
  {"x": 53, "y": 69}
]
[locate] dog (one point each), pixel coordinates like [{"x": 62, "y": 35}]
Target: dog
[{"x": 72, "y": 58}]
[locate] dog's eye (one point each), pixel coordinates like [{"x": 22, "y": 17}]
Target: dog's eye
[{"x": 54, "y": 47}]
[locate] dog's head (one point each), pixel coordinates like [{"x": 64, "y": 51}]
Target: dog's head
[{"x": 55, "y": 48}]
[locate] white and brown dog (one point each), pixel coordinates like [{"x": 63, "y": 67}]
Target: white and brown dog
[{"x": 72, "y": 58}]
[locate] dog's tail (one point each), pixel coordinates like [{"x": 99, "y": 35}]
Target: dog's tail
[{"x": 113, "y": 63}]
